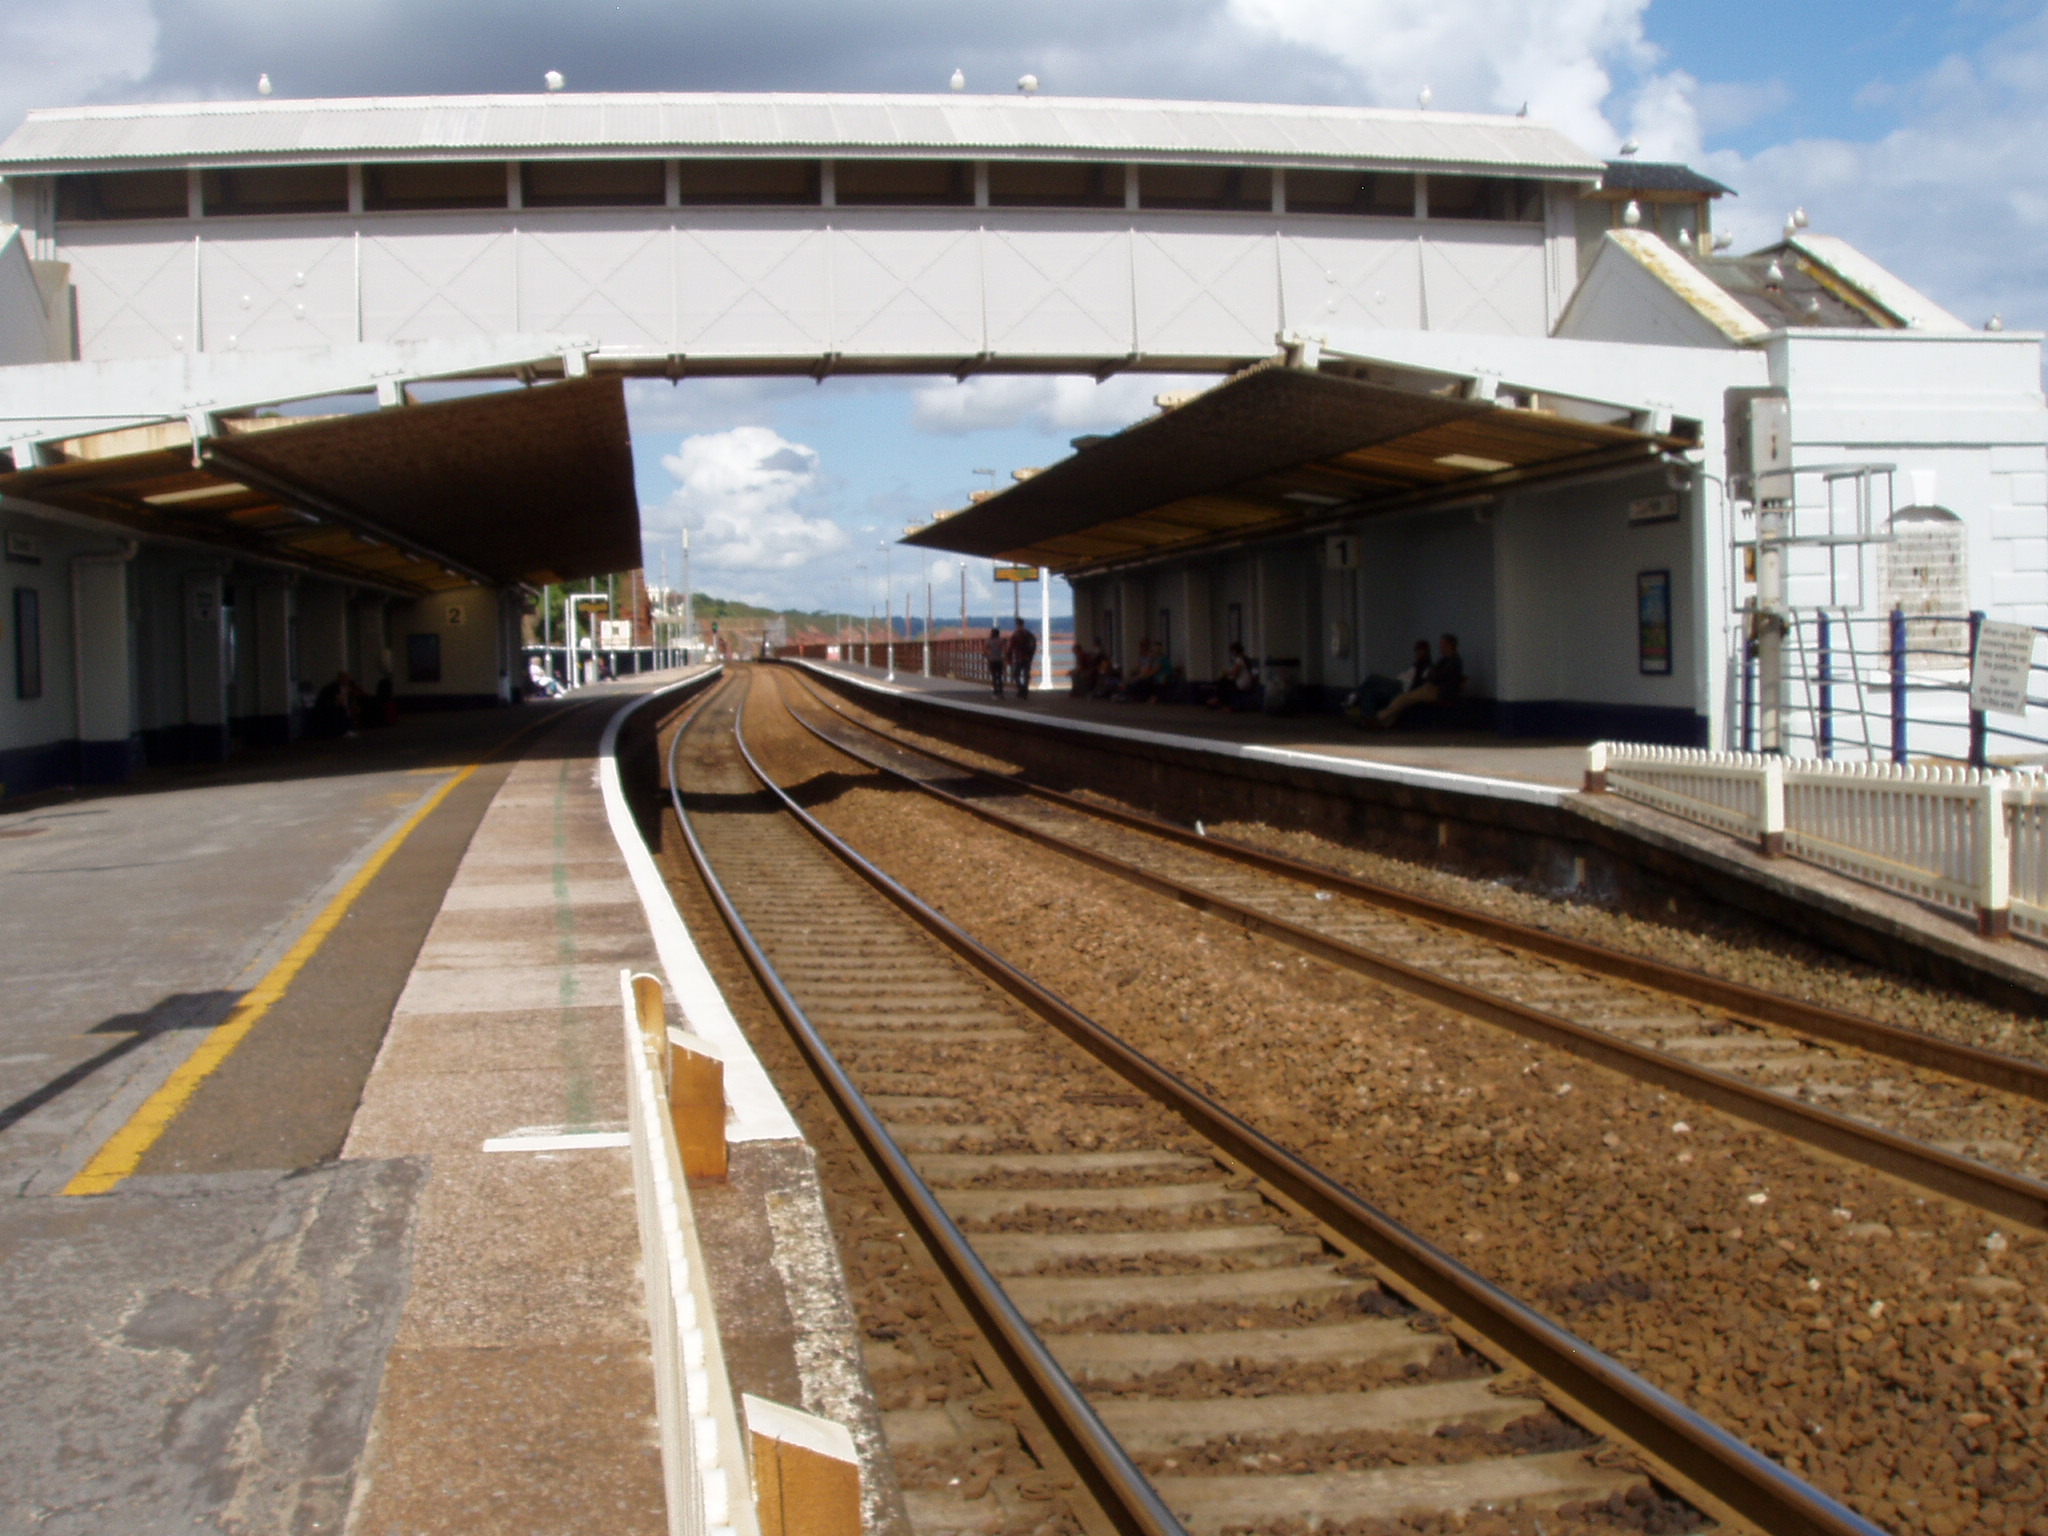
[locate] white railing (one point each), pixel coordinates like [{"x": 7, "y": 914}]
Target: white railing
[
  {"x": 1722, "y": 789},
  {"x": 2026, "y": 821},
  {"x": 1960, "y": 837},
  {"x": 703, "y": 1457}
]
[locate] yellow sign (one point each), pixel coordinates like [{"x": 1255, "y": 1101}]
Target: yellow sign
[{"x": 1016, "y": 573}]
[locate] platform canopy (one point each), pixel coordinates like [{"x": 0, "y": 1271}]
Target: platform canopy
[
  {"x": 519, "y": 485},
  {"x": 1271, "y": 451}
]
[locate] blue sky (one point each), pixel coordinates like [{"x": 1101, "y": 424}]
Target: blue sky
[{"x": 1911, "y": 129}]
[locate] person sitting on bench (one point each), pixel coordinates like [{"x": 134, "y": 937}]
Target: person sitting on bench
[
  {"x": 1238, "y": 687},
  {"x": 1379, "y": 690},
  {"x": 1446, "y": 678}
]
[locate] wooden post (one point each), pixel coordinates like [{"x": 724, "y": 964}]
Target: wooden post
[
  {"x": 647, "y": 1003},
  {"x": 696, "y": 1104},
  {"x": 806, "y": 1476}
]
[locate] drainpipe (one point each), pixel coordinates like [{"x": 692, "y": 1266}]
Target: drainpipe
[{"x": 119, "y": 555}]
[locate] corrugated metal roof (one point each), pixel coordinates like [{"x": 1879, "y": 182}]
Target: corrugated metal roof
[
  {"x": 442, "y": 127},
  {"x": 1265, "y": 454}
]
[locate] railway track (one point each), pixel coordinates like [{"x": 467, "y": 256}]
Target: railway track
[
  {"x": 1217, "y": 1334},
  {"x": 1966, "y": 1123}
]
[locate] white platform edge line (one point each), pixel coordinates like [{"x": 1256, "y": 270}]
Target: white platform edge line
[
  {"x": 758, "y": 1113},
  {"x": 568, "y": 1143},
  {"x": 1349, "y": 767}
]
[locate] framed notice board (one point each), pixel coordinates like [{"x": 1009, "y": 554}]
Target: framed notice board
[{"x": 1653, "y": 623}]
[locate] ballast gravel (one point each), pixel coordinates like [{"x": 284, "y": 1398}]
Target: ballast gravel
[{"x": 1886, "y": 1346}]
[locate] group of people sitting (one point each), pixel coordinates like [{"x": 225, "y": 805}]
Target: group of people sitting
[
  {"x": 1096, "y": 676},
  {"x": 1381, "y": 701},
  {"x": 1011, "y": 656}
]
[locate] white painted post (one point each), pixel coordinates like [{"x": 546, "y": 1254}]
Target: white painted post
[
  {"x": 1771, "y": 842},
  {"x": 1596, "y": 768},
  {"x": 1994, "y": 862},
  {"x": 1045, "y": 627}
]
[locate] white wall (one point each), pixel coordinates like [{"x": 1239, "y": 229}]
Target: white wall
[
  {"x": 1418, "y": 577},
  {"x": 933, "y": 283},
  {"x": 35, "y": 304},
  {"x": 473, "y": 656},
  {"x": 1567, "y": 562}
]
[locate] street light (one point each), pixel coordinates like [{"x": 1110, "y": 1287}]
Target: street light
[{"x": 888, "y": 611}]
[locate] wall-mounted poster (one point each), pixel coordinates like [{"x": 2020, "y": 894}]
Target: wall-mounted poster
[{"x": 1653, "y": 623}]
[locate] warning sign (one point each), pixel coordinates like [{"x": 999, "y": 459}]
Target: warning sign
[{"x": 2000, "y": 667}]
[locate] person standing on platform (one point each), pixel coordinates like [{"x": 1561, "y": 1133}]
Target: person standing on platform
[
  {"x": 994, "y": 651},
  {"x": 1023, "y": 647}
]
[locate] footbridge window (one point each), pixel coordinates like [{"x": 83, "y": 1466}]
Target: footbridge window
[
  {"x": 122, "y": 195},
  {"x": 1499, "y": 198},
  {"x": 704, "y": 183},
  {"x": 275, "y": 189},
  {"x": 1205, "y": 186},
  {"x": 432, "y": 184},
  {"x": 904, "y": 183},
  {"x": 593, "y": 183},
  {"x": 1054, "y": 184},
  {"x": 1381, "y": 194}
]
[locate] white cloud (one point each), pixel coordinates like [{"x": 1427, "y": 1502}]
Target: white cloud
[
  {"x": 1058, "y": 404},
  {"x": 1559, "y": 56},
  {"x": 1955, "y": 201},
  {"x": 739, "y": 492},
  {"x": 56, "y": 52}
]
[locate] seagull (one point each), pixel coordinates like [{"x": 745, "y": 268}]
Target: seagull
[{"x": 959, "y": 80}]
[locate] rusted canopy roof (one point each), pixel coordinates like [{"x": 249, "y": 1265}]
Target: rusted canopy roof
[
  {"x": 525, "y": 485},
  {"x": 1266, "y": 452}
]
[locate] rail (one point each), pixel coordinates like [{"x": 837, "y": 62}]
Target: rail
[
  {"x": 1127, "y": 1498},
  {"x": 1964, "y": 838},
  {"x": 1697, "y": 1450}
]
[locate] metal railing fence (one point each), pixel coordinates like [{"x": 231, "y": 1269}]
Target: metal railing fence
[{"x": 1890, "y": 687}]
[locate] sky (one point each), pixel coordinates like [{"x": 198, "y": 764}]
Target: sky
[{"x": 1910, "y": 129}]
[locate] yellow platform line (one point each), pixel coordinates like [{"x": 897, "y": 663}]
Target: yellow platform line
[{"x": 122, "y": 1153}]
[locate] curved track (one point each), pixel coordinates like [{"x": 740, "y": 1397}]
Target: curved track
[
  {"x": 1216, "y": 1332},
  {"x": 1872, "y": 1092}
]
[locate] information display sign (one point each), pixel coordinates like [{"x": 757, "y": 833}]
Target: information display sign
[
  {"x": 1016, "y": 573},
  {"x": 615, "y": 634},
  {"x": 2000, "y": 666}
]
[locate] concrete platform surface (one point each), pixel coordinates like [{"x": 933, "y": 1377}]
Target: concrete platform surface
[
  {"x": 1468, "y": 753},
  {"x": 205, "y": 1347}
]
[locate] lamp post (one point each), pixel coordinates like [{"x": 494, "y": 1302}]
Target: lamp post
[
  {"x": 888, "y": 608},
  {"x": 570, "y": 600},
  {"x": 867, "y": 634}
]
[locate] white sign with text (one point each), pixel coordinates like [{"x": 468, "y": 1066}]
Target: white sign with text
[{"x": 2000, "y": 668}]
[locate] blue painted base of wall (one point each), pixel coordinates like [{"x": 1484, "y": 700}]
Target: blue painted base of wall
[
  {"x": 1654, "y": 724},
  {"x": 170, "y": 746},
  {"x": 108, "y": 762},
  {"x": 24, "y": 770},
  {"x": 56, "y": 764},
  {"x": 411, "y": 703}
]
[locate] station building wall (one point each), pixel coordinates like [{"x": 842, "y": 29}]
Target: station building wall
[
  {"x": 453, "y": 650},
  {"x": 189, "y": 655},
  {"x": 1570, "y": 568}
]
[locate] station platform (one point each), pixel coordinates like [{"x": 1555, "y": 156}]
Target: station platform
[
  {"x": 1477, "y": 760},
  {"x": 367, "y": 1255}
]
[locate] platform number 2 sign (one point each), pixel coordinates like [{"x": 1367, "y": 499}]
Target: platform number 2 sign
[{"x": 455, "y": 615}]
